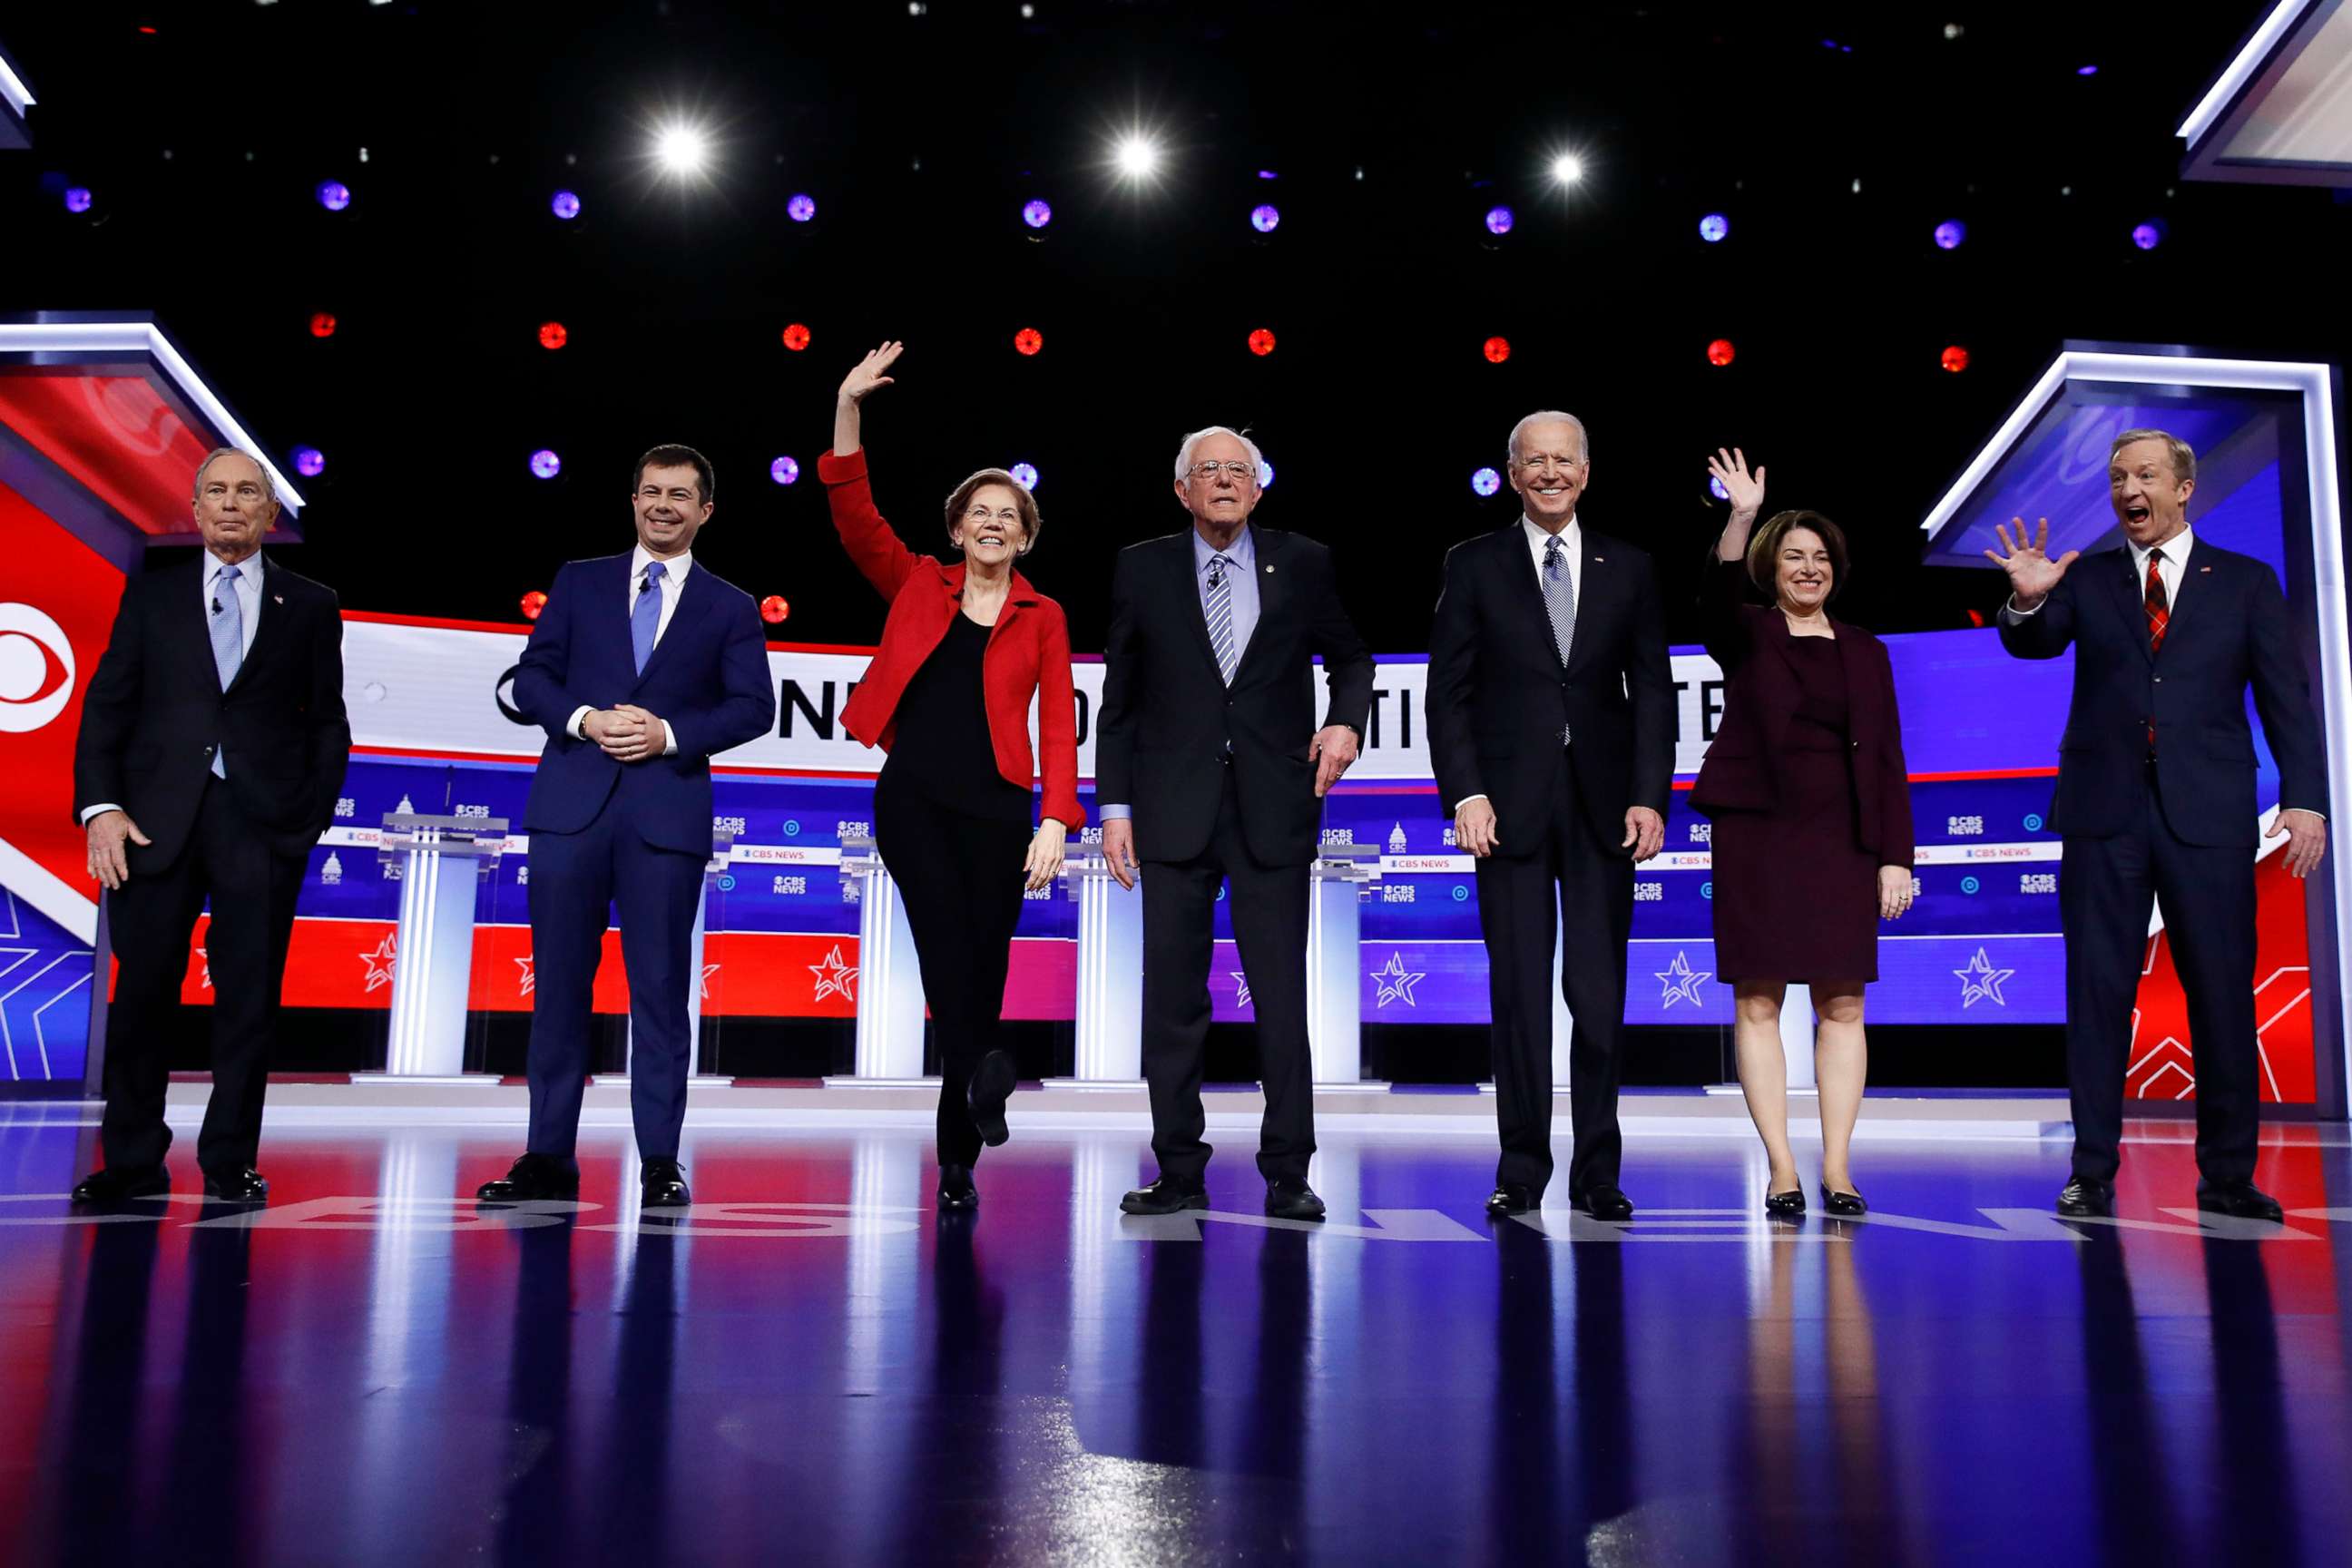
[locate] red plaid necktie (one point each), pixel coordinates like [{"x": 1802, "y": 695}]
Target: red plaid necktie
[{"x": 2159, "y": 616}]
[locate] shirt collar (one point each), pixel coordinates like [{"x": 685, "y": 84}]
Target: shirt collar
[
  {"x": 1242, "y": 552},
  {"x": 674, "y": 570},
  {"x": 1570, "y": 537},
  {"x": 2176, "y": 549},
  {"x": 248, "y": 570}
]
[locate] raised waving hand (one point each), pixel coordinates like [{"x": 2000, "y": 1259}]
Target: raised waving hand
[
  {"x": 2032, "y": 573},
  {"x": 864, "y": 378}
]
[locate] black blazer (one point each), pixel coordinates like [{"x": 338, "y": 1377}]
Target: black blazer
[
  {"x": 2229, "y": 629},
  {"x": 1498, "y": 696},
  {"x": 1743, "y": 764},
  {"x": 154, "y": 712},
  {"x": 1167, "y": 716}
]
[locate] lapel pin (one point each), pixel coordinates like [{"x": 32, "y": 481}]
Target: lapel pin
[
  {"x": 1269, "y": 571},
  {"x": 2204, "y": 568},
  {"x": 280, "y": 598}
]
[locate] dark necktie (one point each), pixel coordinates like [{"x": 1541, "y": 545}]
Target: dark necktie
[{"x": 2159, "y": 616}]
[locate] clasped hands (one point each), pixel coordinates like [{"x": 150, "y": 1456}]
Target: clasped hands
[
  {"x": 626, "y": 733},
  {"x": 1474, "y": 829}
]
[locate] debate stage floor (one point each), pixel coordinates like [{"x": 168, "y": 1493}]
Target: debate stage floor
[{"x": 811, "y": 1367}]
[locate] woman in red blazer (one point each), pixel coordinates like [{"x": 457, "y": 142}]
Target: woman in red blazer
[
  {"x": 1812, "y": 808},
  {"x": 965, "y": 649}
]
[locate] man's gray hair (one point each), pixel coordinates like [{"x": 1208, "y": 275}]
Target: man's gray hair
[
  {"x": 1185, "y": 452},
  {"x": 1553, "y": 417},
  {"x": 2183, "y": 456},
  {"x": 268, "y": 485}
]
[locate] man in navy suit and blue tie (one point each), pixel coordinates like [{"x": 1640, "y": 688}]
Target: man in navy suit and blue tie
[
  {"x": 2156, "y": 799},
  {"x": 641, "y": 669}
]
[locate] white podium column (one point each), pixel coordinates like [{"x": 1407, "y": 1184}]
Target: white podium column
[
  {"x": 890, "y": 979},
  {"x": 1335, "y": 985},
  {"x": 722, "y": 844},
  {"x": 438, "y": 862},
  {"x": 1110, "y": 1033},
  {"x": 1797, "y": 1027}
]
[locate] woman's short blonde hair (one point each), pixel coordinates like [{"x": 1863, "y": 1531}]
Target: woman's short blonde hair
[
  {"x": 960, "y": 502},
  {"x": 1764, "y": 549}
]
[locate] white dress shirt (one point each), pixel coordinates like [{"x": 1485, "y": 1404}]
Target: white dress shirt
[
  {"x": 247, "y": 588},
  {"x": 1572, "y": 544},
  {"x": 673, "y": 584}
]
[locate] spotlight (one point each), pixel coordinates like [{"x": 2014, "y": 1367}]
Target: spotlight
[
  {"x": 1263, "y": 217},
  {"x": 783, "y": 470},
  {"x": 531, "y": 604},
  {"x": 552, "y": 335},
  {"x": 1486, "y": 481},
  {"x": 1720, "y": 352},
  {"x": 796, "y": 337},
  {"x": 2086, "y": 70},
  {"x": 1715, "y": 487},
  {"x": 322, "y": 324},
  {"x": 334, "y": 196},
  {"x": 1037, "y": 213},
  {"x": 1498, "y": 220},
  {"x": 1713, "y": 228},
  {"x": 801, "y": 208},
  {"x": 772, "y": 609},
  {"x": 1956, "y": 359},
  {"x": 1024, "y": 475},
  {"x": 1261, "y": 342},
  {"x": 546, "y": 464},
  {"x": 1028, "y": 340},
  {"x": 310, "y": 462},
  {"x": 1568, "y": 168},
  {"x": 1264, "y": 473},
  {"x": 564, "y": 204},
  {"x": 1137, "y": 155},
  {"x": 2149, "y": 235},
  {"x": 78, "y": 199},
  {"x": 1496, "y": 350},
  {"x": 1950, "y": 233},
  {"x": 682, "y": 150}
]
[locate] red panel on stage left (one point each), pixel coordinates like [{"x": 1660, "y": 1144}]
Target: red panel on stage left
[{"x": 114, "y": 434}]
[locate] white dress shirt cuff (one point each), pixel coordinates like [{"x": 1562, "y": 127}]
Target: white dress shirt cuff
[
  {"x": 579, "y": 717},
  {"x": 1114, "y": 812},
  {"x": 2305, "y": 809},
  {"x": 87, "y": 812},
  {"x": 669, "y": 739},
  {"x": 1466, "y": 800},
  {"x": 2012, "y": 614}
]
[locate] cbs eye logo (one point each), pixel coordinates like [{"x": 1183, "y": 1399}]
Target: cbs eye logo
[{"x": 36, "y": 668}]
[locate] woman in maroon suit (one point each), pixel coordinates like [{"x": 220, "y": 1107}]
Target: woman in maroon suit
[
  {"x": 965, "y": 651},
  {"x": 1811, "y": 809}
]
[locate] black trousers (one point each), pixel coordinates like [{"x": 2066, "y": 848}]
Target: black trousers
[
  {"x": 2104, "y": 886},
  {"x": 252, "y": 887},
  {"x": 1572, "y": 884},
  {"x": 1269, "y": 913},
  {"x": 960, "y": 878}
]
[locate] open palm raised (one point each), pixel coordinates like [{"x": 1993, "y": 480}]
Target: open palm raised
[
  {"x": 870, "y": 372},
  {"x": 2032, "y": 573}
]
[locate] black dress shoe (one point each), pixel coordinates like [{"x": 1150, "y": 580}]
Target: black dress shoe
[
  {"x": 1169, "y": 1195},
  {"x": 1605, "y": 1202},
  {"x": 245, "y": 1186},
  {"x": 664, "y": 1185},
  {"x": 1845, "y": 1205},
  {"x": 2086, "y": 1199},
  {"x": 1511, "y": 1197},
  {"x": 533, "y": 1178},
  {"x": 990, "y": 1087},
  {"x": 1790, "y": 1205},
  {"x": 957, "y": 1193},
  {"x": 2242, "y": 1199},
  {"x": 110, "y": 1185},
  {"x": 1289, "y": 1197}
]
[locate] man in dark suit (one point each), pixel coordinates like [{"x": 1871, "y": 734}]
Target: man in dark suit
[
  {"x": 1209, "y": 770},
  {"x": 2156, "y": 799},
  {"x": 212, "y": 749},
  {"x": 1552, "y": 726},
  {"x": 641, "y": 668}
]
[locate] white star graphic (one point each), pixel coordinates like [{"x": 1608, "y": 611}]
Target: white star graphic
[
  {"x": 1395, "y": 981},
  {"x": 1241, "y": 988},
  {"x": 530, "y": 980},
  {"x": 834, "y": 977},
  {"x": 205, "y": 953},
  {"x": 380, "y": 963},
  {"x": 704, "y": 990},
  {"x": 1980, "y": 979},
  {"x": 1681, "y": 981}
]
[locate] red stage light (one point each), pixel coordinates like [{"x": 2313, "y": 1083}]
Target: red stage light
[
  {"x": 1261, "y": 342},
  {"x": 1498, "y": 350},
  {"x": 323, "y": 325},
  {"x": 552, "y": 335},
  {"x": 1028, "y": 340},
  {"x": 772, "y": 609},
  {"x": 1976, "y": 618},
  {"x": 532, "y": 603},
  {"x": 796, "y": 337},
  {"x": 1720, "y": 352},
  {"x": 1956, "y": 359}
]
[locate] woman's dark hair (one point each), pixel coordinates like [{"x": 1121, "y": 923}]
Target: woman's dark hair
[
  {"x": 677, "y": 457},
  {"x": 1764, "y": 549},
  {"x": 960, "y": 502}
]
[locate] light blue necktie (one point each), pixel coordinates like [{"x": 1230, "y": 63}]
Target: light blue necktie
[
  {"x": 644, "y": 621},
  {"x": 1221, "y": 617},
  {"x": 228, "y": 642},
  {"x": 1559, "y": 603}
]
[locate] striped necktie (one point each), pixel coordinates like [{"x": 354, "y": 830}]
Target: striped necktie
[{"x": 1220, "y": 611}]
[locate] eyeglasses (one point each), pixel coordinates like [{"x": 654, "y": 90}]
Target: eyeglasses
[
  {"x": 1235, "y": 471},
  {"x": 1545, "y": 463}
]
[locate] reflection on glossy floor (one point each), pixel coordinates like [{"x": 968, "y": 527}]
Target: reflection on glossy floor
[{"x": 812, "y": 1368}]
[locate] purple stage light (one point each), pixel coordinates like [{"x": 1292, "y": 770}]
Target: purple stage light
[
  {"x": 334, "y": 196},
  {"x": 2149, "y": 235},
  {"x": 783, "y": 470},
  {"x": 310, "y": 462},
  {"x": 1498, "y": 220},
  {"x": 1950, "y": 233},
  {"x": 2086, "y": 70},
  {"x": 1268, "y": 175},
  {"x": 546, "y": 464},
  {"x": 564, "y": 204},
  {"x": 1713, "y": 228},
  {"x": 1715, "y": 487},
  {"x": 1486, "y": 481},
  {"x": 801, "y": 208},
  {"x": 1264, "y": 473},
  {"x": 78, "y": 199},
  {"x": 1024, "y": 475},
  {"x": 1263, "y": 217},
  {"x": 1037, "y": 213}
]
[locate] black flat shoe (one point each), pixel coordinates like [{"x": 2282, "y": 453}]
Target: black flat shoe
[
  {"x": 957, "y": 1193},
  {"x": 533, "y": 1178},
  {"x": 108, "y": 1184},
  {"x": 1845, "y": 1205},
  {"x": 2081, "y": 1198},
  {"x": 663, "y": 1184},
  {"x": 245, "y": 1186},
  {"x": 1289, "y": 1197},
  {"x": 1605, "y": 1203},
  {"x": 991, "y": 1086},
  {"x": 2242, "y": 1199},
  {"x": 1511, "y": 1197},
  {"x": 1169, "y": 1195},
  {"x": 1790, "y": 1205}
]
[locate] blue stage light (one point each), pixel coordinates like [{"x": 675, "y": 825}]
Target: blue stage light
[
  {"x": 1498, "y": 220},
  {"x": 310, "y": 462},
  {"x": 334, "y": 196},
  {"x": 1950, "y": 233},
  {"x": 1024, "y": 475},
  {"x": 1037, "y": 213},
  {"x": 78, "y": 199},
  {"x": 1486, "y": 481},
  {"x": 546, "y": 464},
  {"x": 564, "y": 204},
  {"x": 1715, "y": 487},
  {"x": 1263, "y": 217},
  {"x": 801, "y": 208},
  {"x": 783, "y": 470},
  {"x": 1713, "y": 228},
  {"x": 1264, "y": 473},
  {"x": 2086, "y": 70},
  {"x": 2149, "y": 235}
]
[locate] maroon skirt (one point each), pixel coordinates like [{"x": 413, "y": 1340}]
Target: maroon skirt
[{"x": 1796, "y": 895}]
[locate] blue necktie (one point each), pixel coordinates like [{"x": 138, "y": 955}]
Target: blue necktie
[
  {"x": 644, "y": 621},
  {"x": 1220, "y": 609},
  {"x": 228, "y": 642},
  {"x": 1559, "y": 603}
]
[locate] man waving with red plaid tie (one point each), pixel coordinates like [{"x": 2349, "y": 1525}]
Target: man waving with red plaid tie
[{"x": 2156, "y": 799}]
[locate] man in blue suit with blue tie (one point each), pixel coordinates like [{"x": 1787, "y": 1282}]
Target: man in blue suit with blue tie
[{"x": 641, "y": 669}]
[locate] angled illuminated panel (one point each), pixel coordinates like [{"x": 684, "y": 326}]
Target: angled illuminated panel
[
  {"x": 15, "y": 97},
  {"x": 2280, "y": 113}
]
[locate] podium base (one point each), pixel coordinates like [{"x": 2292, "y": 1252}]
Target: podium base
[
  {"x": 1130, "y": 1085},
  {"x": 621, "y": 1081},
  {"x": 851, "y": 1080},
  {"x": 1353, "y": 1086},
  {"x": 431, "y": 1079},
  {"x": 1796, "y": 1090},
  {"x": 1560, "y": 1089}
]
